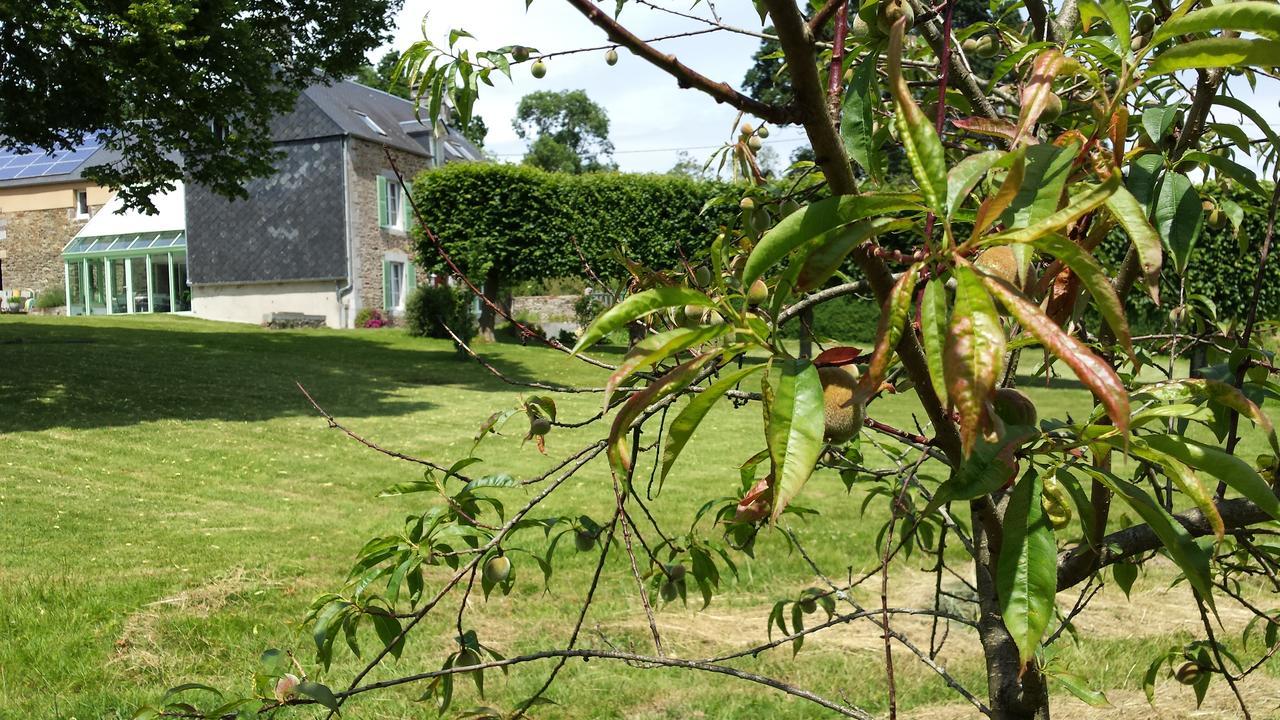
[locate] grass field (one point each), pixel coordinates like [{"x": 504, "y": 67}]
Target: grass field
[{"x": 170, "y": 504}]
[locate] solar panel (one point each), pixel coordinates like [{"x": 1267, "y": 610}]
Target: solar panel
[{"x": 15, "y": 165}]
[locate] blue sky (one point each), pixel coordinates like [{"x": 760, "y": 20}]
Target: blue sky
[{"x": 652, "y": 119}]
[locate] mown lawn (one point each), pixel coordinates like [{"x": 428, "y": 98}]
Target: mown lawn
[{"x": 170, "y": 504}]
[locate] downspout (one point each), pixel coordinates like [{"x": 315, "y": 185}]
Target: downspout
[{"x": 343, "y": 315}]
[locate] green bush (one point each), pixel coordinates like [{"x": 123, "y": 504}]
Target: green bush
[
  {"x": 847, "y": 319},
  {"x": 586, "y": 308},
  {"x": 570, "y": 285},
  {"x": 1222, "y": 268},
  {"x": 530, "y": 225},
  {"x": 51, "y": 297},
  {"x": 429, "y": 308}
]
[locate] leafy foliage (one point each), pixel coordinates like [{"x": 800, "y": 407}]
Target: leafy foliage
[
  {"x": 568, "y": 132},
  {"x": 430, "y": 309},
  {"x": 159, "y": 80}
]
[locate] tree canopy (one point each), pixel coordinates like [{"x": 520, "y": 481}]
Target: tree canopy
[
  {"x": 568, "y": 131},
  {"x": 181, "y": 88}
]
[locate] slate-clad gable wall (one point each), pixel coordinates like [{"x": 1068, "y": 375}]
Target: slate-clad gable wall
[
  {"x": 305, "y": 122},
  {"x": 291, "y": 226}
]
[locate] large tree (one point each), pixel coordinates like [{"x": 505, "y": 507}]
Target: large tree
[
  {"x": 181, "y": 88},
  {"x": 383, "y": 75},
  {"x": 993, "y": 270},
  {"x": 568, "y": 131}
]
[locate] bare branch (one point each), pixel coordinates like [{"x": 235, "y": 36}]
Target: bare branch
[
  {"x": 333, "y": 423},
  {"x": 685, "y": 76},
  {"x": 643, "y": 662},
  {"x": 1075, "y": 565}
]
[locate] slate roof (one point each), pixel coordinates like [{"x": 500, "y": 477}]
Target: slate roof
[
  {"x": 349, "y": 108},
  {"x": 343, "y": 108}
]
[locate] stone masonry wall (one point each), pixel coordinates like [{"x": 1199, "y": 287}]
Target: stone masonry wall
[
  {"x": 545, "y": 308},
  {"x": 32, "y": 246},
  {"x": 372, "y": 243}
]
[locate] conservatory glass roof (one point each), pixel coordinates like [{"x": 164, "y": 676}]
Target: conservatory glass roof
[{"x": 129, "y": 243}]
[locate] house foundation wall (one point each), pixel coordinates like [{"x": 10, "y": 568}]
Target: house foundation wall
[{"x": 255, "y": 303}]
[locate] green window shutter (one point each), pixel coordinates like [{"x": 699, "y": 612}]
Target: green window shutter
[
  {"x": 383, "y": 220},
  {"x": 410, "y": 277},
  {"x": 405, "y": 203},
  {"x": 386, "y": 285}
]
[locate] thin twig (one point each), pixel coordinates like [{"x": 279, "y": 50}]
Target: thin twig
[
  {"x": 633, "y": 659},
  {"x": 1217, "y": 655},
  {"x": 577, "y": 627},
  {"x": 626, "y": 538}
]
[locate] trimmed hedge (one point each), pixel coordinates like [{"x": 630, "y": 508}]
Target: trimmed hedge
[
  {"x": 520, "y": 220},
  {"x": 1222, "y": 267}
]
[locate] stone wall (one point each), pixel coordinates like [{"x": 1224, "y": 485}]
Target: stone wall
[
  {"x": 372, "y": 243},
  {"x": 31, "y": 248},
  {"x": 545, "y": 308}
]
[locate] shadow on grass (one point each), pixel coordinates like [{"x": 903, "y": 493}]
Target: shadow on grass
[{"x": 101, "y": 372}]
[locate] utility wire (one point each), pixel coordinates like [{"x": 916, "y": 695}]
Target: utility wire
[{"x": 777, "y": 141}]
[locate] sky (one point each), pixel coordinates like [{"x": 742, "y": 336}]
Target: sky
[{"x": 652, "y": 119}]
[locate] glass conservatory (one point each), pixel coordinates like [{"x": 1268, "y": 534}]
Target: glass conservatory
[
  {"x": 136, "y": 273},
  {"x": 126, "y": 261}
]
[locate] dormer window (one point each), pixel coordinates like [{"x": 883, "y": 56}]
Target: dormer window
[{"x": 368, "y": 121}]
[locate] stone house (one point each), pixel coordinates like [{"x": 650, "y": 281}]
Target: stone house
[
  {"x": 44, "y": 201},
  {"x": 327, "y": 235}
]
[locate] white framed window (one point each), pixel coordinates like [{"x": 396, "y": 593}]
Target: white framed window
[
  {"x": 369, "y": 123},
  {"x": 396, "y": 285},
  {"x": 393, "y": 210},
  {"x": 395, "y": 206},
  {"x": 82, "y": 204},
  {"x": 399, "y": 278}
]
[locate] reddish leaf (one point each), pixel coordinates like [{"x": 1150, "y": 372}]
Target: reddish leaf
[
  {"x": 1093, "y": 371},
  {"x": 1063, "y": 296},
  {"x": 837, "y": 356},
  {"x": 974, "y": 353},
  {"x": 754, "y": 506},
  {"x": 1036, "y": 92},
  {"x": 986, "y": 126},
  {"x": 893, "y": 316},
  {"x": 994, "y": 206}
]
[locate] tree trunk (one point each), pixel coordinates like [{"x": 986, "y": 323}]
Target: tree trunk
[
  {"x": 1013, "y": 695},
  {"x": 488, "y": 318}
]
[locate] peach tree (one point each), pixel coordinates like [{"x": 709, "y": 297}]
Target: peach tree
[{"x": 1096, "y": 122}]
